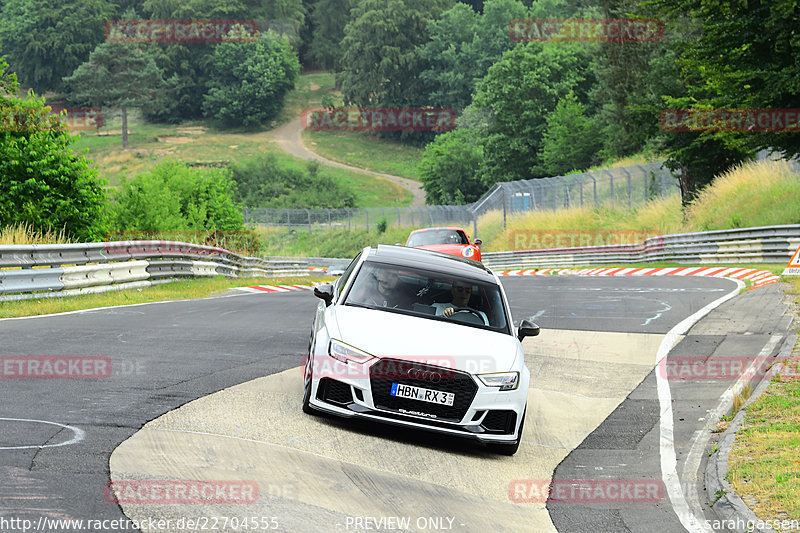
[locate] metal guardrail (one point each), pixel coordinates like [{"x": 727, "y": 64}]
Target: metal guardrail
[
  {"x": 47, "y": 270},
  {"x": 768, "y": 244}
]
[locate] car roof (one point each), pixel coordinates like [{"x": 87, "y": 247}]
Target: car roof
[
  {"x": 429, "y": 260},
  {"x": 456, "y": 228}
]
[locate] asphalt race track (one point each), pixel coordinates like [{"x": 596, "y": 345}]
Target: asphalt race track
[{"x": 594, "y": 416}]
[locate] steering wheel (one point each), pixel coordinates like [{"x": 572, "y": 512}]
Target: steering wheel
[{"x": 471, "y": 312}]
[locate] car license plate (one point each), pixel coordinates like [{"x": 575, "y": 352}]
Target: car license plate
[{"x": 423, "y": 395}]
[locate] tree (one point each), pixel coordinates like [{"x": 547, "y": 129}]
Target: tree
[
  {"x": 743, "y": 55},
  {"x": 449, "y": 169},
  {"x": 628, "y": 91},
  {"x": 175, "y": 197},
  {"x": 250, "y": 79},
  {"x": 117, "y": 74},
  {"x": 380, "y": 66},
  {"x": 46, "y": 40},
  {"x": 518, "y": 93},
  {"x": 463, "y": 45},
  {"x": 42, "y": 182},
  {"x": 186, "y": 67},
  {"x": 329, "y": 18},
  {"x": 571, "y": 140}
]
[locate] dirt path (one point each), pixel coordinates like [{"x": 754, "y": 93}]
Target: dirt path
[{"x": 289, "y": 136}]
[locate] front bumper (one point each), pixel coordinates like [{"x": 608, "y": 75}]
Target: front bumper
[{"x": 479, "y": 412}]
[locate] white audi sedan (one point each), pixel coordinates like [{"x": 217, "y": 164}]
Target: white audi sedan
[{"x": 423, "y": 340}]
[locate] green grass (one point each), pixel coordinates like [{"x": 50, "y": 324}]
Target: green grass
[
  {"x": 763, "y": 466},
  {"x": 177, "y": 290},
  {"x": 366, "y": 150},
  {"x": 197, "y": 142},
  {"x": 308, "y": 92},
  {"x": 298, "y": 242},
  {"x": 369, "y": 191}
]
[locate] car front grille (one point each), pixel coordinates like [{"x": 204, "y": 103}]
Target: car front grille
[{"x": 388, "y": 371}]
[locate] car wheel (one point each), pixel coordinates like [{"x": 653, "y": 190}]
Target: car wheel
[
  {"x": 308, "y": 376},
  {"x": 511, "y": 448}
]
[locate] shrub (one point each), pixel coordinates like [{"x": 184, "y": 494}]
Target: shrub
[
  {"x": 263, "y": 182},
  {"x": 175, "y": 197}
]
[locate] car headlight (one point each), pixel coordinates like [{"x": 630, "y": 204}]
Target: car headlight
[
  {"x": 344, "y": 353},
  {"x": 504, "y": 380},
  {"x": 468, "y": 251}
]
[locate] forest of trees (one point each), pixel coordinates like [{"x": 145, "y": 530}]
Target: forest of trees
[{"x": 526, "y": 109}]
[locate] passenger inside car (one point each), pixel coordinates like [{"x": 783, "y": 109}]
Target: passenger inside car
[{"x": 385, "y": 290}]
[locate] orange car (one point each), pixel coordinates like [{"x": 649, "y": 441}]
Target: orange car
[{"x": 448, "y": 240}]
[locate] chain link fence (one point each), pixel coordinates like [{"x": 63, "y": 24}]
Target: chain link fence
[{"x": 624, "y": 186}]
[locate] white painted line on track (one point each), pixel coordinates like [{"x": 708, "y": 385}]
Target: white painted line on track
[
  {"x": 669, "y": 462},
  {"x": 78, "y": 435}
]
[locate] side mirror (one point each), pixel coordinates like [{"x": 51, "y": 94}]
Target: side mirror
[
  {"x": 478, "y": 242},
  {"x": 324, "y": 292},
  {"x": 527, "y": 329}
]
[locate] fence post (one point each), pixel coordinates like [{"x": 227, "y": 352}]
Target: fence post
[
  {"x": 367, "y": 212},
  {"x": 330, "y": 227},
  {"x": 610, "y": 175},
  {"x": 628, "y": 175},
  {"x": 308, "y": 212},
  {"x": 504, "y": 207},
  {"x": 398, "y": 216},
  {"x": 349, "y": 213},
  {"x": 646, "y": 187}
]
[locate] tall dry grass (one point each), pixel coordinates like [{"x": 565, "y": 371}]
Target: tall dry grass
[
  {"x": 762, "y": 193},
  {"x": 25, "y": 234},
  {"x": 754, "y": 194}
]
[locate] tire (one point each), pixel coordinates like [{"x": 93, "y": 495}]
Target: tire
[
  {"x": 308, "y": 377},
  {"x": 503, "y": 448}
]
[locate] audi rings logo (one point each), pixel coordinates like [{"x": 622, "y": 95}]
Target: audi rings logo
[{"x": 425, "y": 375}]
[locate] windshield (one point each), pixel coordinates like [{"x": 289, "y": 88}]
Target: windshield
[
  {"x": 431, "y": 295},
  {"x": 439, "y": 236}
]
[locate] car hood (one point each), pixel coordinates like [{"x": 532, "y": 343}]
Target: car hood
[{"x": 388, "y": 334}]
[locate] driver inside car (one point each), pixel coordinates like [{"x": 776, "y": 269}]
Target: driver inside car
[{"x": 461, "y": 292}]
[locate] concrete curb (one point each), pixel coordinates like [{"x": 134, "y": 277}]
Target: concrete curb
[{"x": 730, "y": 508}]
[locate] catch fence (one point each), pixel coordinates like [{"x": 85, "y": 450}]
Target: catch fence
[{"x": 623, "y": 186}]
